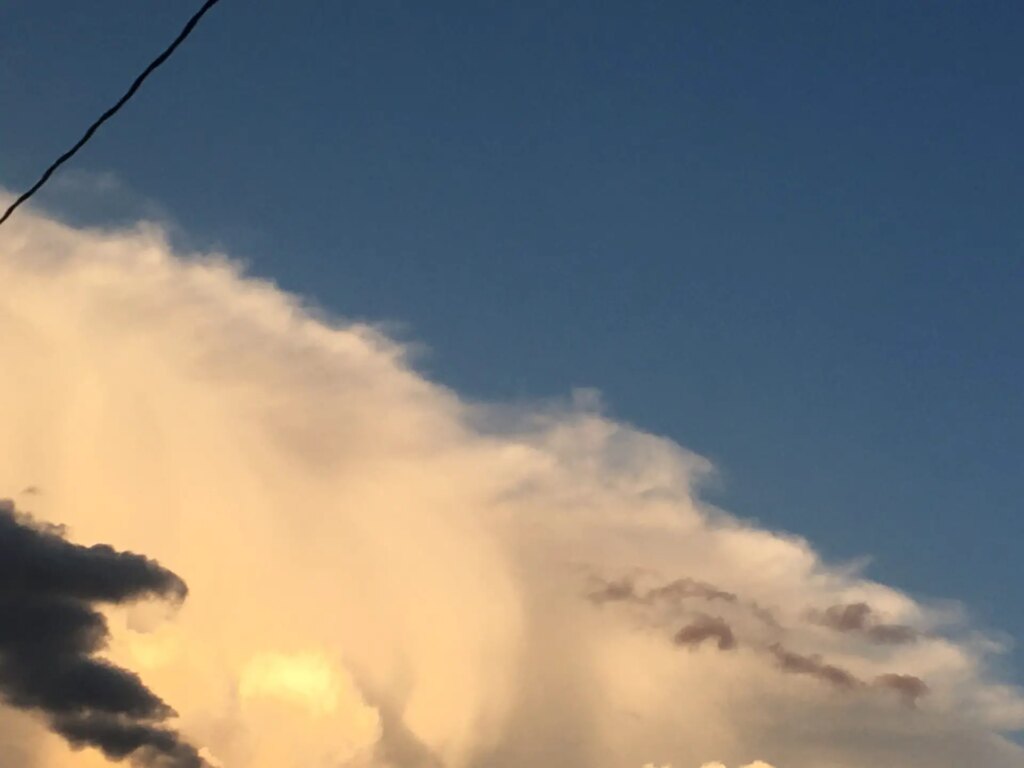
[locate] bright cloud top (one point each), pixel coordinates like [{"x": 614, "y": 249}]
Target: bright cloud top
[{"x": 383, "y": 574}]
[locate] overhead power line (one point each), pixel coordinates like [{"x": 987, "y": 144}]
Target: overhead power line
[{"x": 153, "y": 65}]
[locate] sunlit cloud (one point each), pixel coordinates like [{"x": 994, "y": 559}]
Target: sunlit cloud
[{"x": 382, "y": 573}]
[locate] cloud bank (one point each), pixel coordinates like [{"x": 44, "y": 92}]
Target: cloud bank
[{"x": 384, "y": 574}]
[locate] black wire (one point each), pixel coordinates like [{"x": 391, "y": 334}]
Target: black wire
[{"x": 153, "y": 65}]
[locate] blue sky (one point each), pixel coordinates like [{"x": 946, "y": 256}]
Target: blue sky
[{"x": 789, "y": 236}]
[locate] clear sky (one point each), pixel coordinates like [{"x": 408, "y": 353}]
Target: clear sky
[{"x": 789, "y": 236}]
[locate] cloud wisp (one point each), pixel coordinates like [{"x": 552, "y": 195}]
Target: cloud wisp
[{"x": 383, "y": 574}]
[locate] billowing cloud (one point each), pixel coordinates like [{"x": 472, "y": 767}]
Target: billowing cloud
[
  {"x": 51, "y": 633},
  {"x": 383, "y": 574}
]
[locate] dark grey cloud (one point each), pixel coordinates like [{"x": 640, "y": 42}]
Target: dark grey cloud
[
  {"x": 617, "y": 591},
  {"x": 853, "y": 618},
  {"x": 683, "y": 589},
  {"x": 860, "y": 618},
  {"x": 788, "y": 661},
  {"x": 892, "y": 634},
  {"x": 846, "y": 618},
  {"x": 909, "y": 687},
  {"x": 674, "y": 592},
  {"x": 51, "y": 631},
  {"x": 706, "y": 628},
  {"x": 765, "y": 615}
]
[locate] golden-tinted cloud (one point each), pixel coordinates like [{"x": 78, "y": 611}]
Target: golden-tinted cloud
[{"x": 384, "y": 574}]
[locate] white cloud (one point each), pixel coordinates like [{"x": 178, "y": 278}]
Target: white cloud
[{"x": 385, "y": 574}]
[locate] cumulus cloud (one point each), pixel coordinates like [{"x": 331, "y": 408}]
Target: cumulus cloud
[{"x": 383, "y": 574}]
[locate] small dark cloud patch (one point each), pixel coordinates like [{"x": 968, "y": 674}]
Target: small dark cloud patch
[
  {"x": 846, "y": 618},
  {"x": 684, "y": 589},
  {"x": 909, "y": 687},
  {"x": 765, "y": 615},
  {"x": 617, "y": 591},
  {"x": 860, "y": 618},
  {"x": 51, "y": 631},
  {"x": 674, "y": 592},
  {"x": 892, "y": 634},
  {"x": 706, "y": 628},
  {"x": 788, "y": 661}
]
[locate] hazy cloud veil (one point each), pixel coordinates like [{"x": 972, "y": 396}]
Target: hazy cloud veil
[{"x": 383, "y": 574}]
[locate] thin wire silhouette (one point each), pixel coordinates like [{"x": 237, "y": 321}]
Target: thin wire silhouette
[{"x": 153, "y": 65}]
